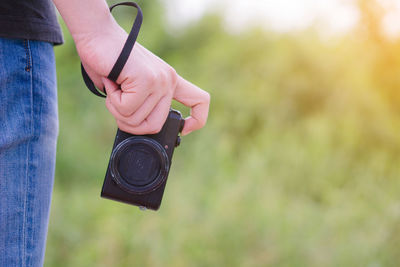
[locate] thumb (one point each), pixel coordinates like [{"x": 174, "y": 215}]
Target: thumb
[{"x": 197, "y": 100}]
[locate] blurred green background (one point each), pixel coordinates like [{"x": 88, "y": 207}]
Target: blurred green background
[{"x": 297, "y": 166}]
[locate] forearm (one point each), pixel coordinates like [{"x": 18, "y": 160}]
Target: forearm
[{"x": 88, "y": 17}]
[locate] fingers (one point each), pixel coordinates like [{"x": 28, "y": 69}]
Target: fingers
[
  {"x": 125, "y": 102},
  {"x": 199, "y": 102},
  {"x": 160, "y": 113},
  {"x": 137, "y": 117},
  {"x": 153, "y": 123},
  {"x": 144, "y": 111},
  {"x": 147, "y": 119},
  {"x": 141, "y": 112}
]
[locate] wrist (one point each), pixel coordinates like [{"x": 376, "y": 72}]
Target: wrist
[
  {"x": 106, "y": 31},
  {"x": 105, "y": 26},
  {"x": 100, "y": 47}
]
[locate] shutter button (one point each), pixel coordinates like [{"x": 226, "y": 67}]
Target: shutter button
[{"x": 178, "y": 141}]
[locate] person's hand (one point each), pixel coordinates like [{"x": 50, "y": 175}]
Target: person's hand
[{"x": 141, "y": 98}]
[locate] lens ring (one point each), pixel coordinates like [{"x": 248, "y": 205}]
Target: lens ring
[{"x": 152, "y": 144}]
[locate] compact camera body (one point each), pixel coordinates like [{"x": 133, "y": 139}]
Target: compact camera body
[{"x": 139, "y": 164}]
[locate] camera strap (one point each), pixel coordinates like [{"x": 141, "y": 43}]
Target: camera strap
[{"x": 123, "y": 56}]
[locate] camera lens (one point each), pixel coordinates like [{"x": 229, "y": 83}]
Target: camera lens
[{"x": 139, "y": 164}]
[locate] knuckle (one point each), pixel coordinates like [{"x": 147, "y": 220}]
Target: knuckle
[
  {"x": 173, "y": 76},
  {"x": 163, "y": 77},
  {"x": 207, "y": 97},
  {"x": 125, "y": 111},
  {"x": 167, "y": 78},
  {"x": 150, "y": 78},
  {"x": 202, "y": 123},
  {"x": 202, "y": 119}
]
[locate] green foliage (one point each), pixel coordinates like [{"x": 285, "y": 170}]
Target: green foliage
[{"x": 297, "y": 166}]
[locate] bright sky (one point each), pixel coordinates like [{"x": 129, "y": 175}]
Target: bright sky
[{"x": 281, "y": 15}]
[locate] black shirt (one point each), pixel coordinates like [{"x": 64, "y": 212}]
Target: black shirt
[{"x": 30, "y": 19}]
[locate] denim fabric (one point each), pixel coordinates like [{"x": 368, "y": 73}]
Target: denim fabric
[{"x": 28, "y": 135}]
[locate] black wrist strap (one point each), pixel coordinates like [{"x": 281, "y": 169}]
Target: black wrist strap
[{"x": 123, "y": 56}]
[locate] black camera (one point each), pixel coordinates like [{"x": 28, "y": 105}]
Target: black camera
[{"x": 139, "y": 164}]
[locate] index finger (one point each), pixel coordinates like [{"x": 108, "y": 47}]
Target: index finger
[
  {"x": 197, "y": 100},
  {"x": 125, "y": 102}
]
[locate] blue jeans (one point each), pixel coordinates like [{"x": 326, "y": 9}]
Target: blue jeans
[{"x": 28, "y": 136}]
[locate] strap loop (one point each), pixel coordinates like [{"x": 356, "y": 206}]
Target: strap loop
[{"x": 123, "y": 56}]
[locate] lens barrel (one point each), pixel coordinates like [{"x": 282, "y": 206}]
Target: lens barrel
[{"x": 139, "y": 164}]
